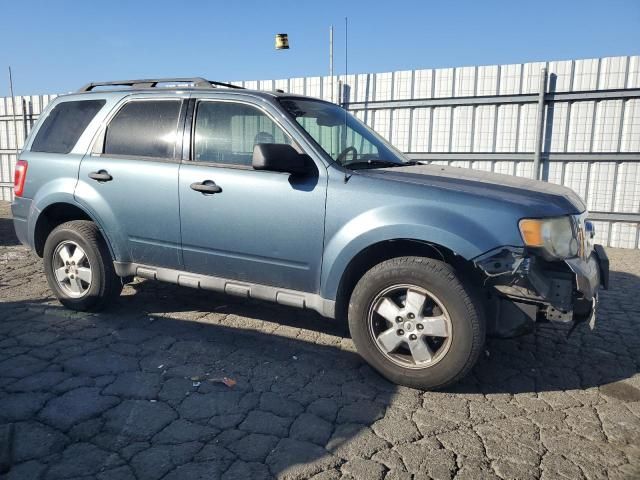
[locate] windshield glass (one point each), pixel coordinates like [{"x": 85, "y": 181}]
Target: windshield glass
[{"x": 346, "y": 139}]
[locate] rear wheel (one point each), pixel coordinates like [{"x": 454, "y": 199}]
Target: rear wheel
[
  {"x": 79, "y": 267},
  {"x": 415, "y": 322}
]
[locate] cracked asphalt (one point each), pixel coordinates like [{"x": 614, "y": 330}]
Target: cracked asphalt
[{"x": 143, "y": 391}]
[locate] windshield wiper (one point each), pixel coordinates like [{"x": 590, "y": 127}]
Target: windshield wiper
[
  {"x": 377, "y": 163},
  {"x": 374, "y": 163}
]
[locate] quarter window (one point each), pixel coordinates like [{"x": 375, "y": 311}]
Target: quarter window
[
  {"x": 144, "y": 129},
  {"x": 226, "y": 133},
  {"x": 63, "y": 126}
]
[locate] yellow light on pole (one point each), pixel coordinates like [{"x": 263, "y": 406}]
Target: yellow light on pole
[{"x": 282, "y": 41}]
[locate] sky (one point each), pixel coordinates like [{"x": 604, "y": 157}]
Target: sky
[{"x": 57, "y": 46}]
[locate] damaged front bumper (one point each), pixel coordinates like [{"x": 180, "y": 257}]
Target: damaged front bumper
[{"x": 523, "y": 288}]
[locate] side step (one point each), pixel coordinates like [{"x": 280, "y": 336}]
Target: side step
[{"x": 291, "y": 298}]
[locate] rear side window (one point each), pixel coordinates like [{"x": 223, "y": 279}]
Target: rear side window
[
  {"x": 63, "y": 126},
  {"x": 144, "y": 129}
]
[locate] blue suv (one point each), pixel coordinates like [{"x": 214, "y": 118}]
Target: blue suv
[{"x": 293, "y": 200}]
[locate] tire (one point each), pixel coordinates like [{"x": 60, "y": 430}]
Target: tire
[
  {"x": 450, "y": 311},
  {"x": 80, "y": 290}
]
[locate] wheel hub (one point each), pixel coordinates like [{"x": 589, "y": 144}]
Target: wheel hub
[
  {"x": 410, "y": 326},
  {"x": 71, "y": 269}
]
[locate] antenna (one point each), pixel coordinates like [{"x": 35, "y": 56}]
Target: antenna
[
  {"x": 347, "y": 176},
  {"x": 331, "y": 59},
  {"x": 346, "y": 70}
]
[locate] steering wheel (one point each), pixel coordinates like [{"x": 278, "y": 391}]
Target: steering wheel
[{"x": 345, "y": 152}]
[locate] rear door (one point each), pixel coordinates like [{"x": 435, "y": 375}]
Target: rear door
[{"x": 130, "y": 180}]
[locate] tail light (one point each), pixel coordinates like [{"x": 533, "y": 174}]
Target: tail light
[{"x": 20, "y": 177}]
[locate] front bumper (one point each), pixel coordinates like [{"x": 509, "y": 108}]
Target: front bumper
[
  {"x": 525, "y": 289},
  {"x": 591, "y": 273}
]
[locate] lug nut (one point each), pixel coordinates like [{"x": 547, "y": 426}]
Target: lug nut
[
  {"x": 66, "y": 270},
  {"x": 411, "y": 316},
  {"x": 400, "y": 332},
  {"x": 413, "y": 337},
  {"x": 419, "y": 326},
  {"x": 399, "y": 319}
]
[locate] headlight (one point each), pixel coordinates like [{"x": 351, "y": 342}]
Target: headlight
[{"x": 554, "y": 236}]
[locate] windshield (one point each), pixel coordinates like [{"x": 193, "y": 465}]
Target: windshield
[{"x": 346, "y": 139}]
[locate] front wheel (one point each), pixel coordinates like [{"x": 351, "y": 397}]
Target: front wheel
[
  {"x": 79, "y": 267},
  {"x": 416, "y": 323}
]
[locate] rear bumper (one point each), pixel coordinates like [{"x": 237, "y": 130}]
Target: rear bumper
[{"x": 20, "y": 212}]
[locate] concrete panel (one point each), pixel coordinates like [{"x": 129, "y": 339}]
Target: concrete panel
[
  {"x": 402, "y": 85},
  {"x": 585, "y": 75},
  {"x": 627, "y": 197},
  {"x": 527, "y": 128},
  {"x": 461, "y": 139},
  {"x": 556, "y": 129},
  {"x": 630, "y": 141},
  {"x": 613, "y": 72},
  {"x": 420, "y": 128},
  {"x": 560, "y": 74},
  {"x": 487, "y": 80},
  {"x": 423, "y": 84},
  {"x": 531, "y": 77},
  {"x": 601, "y": 184},
  {"x": 510, "y": 79},
  {"x": 441, "y": 129},
  {"x": 484, "y": 128},
  {"x": 383, "y": 87},
  {"x": 580, "y": 127},
  {"x": 443, "y": 82},
  {"x": 465, "y": 82},
  {"x": 606, "y": 133},
  {"x": 400, "y": 129},
  {"x": 624, "y": 235},
  {"x": 507, "y": 127}
]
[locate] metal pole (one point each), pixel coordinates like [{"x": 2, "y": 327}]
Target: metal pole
[
  {"x": 540, "y": 124},
  {"x": 331, "y": 59},
  {"x": 13, "y": 106}
]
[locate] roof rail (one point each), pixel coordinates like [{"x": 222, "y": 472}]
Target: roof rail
[{"x": 197, "y": 82}]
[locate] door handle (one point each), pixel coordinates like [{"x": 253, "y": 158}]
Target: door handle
[
  {"x": 208, "y": 187},
  {"x": 101, "y": 176}
]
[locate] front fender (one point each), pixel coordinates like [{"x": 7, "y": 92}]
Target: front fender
[{"x": 463, "y": 234}]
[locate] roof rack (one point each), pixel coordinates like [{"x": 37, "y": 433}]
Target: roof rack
[{"x": 197, "y": 82}]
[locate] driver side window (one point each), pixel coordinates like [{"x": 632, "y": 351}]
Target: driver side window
[{"x": 226, "y": 132}]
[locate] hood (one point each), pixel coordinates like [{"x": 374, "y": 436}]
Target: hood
[{"x": 540, "y": 198}]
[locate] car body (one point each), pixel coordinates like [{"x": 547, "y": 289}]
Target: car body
[{"x": 202, "y": 210}]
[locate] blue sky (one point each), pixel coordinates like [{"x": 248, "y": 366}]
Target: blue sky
[{"x": 56, "y": 46}]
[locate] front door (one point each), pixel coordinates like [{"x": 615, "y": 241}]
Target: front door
[
  {"x": 130, "y": 181},
  {"x": 260, "y": 227}
]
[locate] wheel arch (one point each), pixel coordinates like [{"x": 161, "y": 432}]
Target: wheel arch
[
  {"x": 384, "y": 250},
  {"x": 57, "y": 213}
]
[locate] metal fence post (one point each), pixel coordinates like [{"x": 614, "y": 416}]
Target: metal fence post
[{"x": 540, "y": 124}]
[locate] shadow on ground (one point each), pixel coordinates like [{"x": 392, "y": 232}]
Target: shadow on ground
[
  {"x": 7, "y": 234},
  {"x": 139, "y": 389}
]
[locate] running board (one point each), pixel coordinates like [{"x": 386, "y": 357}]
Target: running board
[{"x": 291, "y": 298}]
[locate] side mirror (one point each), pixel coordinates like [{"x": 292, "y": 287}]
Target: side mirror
[{"x": 278, "y": 157}]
